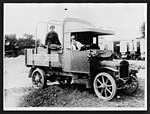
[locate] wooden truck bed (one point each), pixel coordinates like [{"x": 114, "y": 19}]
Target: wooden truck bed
[{"x": 40, "y": 57}]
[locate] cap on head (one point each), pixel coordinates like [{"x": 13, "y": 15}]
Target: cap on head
[
  {"x": 52, "y": 27},
  {"x": 72, "y": 37}
]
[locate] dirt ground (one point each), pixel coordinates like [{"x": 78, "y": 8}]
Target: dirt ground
[{"x": 17, "y": 85}]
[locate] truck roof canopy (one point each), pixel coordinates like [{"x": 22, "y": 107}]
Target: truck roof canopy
[
  {"x": 78, "y": 25},
  {"x": 96, "y": 31}
]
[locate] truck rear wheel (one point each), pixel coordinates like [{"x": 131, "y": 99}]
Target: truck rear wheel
[
  {"x": 104, "y": 86},
  {"x": 38, "y": 79}
]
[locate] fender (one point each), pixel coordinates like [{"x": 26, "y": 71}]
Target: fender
[
  {"x": 103, "y": 69},
  {"x": 30, "y": 72},
  {"x": 109, "y": 70}
]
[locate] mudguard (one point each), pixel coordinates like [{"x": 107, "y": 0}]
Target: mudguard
[{"x": 30, "y": 72}]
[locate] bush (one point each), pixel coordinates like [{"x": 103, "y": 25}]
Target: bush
[{"x": 18, "y": 45}]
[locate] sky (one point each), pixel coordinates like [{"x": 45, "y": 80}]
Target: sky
[{"x": 124, "y": 19}]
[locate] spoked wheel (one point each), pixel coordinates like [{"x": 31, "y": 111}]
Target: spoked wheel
[
  {"x": 132, "y": 85},
  {"x": 38, "y": 79},
  {"x": 65, "y": 81},
  {"x": 104, "y": 86}
]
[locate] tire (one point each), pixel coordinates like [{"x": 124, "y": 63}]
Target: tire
[
  {"x": 105, "y": 86},
  {"x": 38, "y": 79},
  {"x": 131, "y": 85}
]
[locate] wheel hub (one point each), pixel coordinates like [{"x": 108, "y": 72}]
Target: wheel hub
[
  {"x": 37, "y": 78},
  {"x": 103, "y": 85}
]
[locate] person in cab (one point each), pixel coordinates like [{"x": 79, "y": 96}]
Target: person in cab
[{"x": 76, "y": 45}]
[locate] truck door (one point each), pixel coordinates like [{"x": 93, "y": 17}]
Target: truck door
[{"x": 79, "y": 61}]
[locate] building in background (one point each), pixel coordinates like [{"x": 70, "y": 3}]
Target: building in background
[{"x": 126, "y": 49}]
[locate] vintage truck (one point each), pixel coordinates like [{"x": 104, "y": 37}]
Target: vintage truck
[{"x": 63, "y": 64}]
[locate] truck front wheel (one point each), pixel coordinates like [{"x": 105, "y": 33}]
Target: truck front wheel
[
  {"x": 104, "y": 86},
  {"x": 38, "y": 79}
]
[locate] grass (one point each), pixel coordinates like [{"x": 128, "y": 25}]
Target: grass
[{"x": 76, "y": 95}]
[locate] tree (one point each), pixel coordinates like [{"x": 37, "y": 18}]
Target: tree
[
  {"x": 28, "y": 36},
  {"x": 12, "y": 43},
  {"x": 26, "y": 41},
  {"x": 11, "y": 38}
]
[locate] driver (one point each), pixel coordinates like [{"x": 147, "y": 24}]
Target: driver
[{"x": 76, "y": 45}]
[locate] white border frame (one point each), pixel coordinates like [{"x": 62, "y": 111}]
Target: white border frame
[{"x": 84, "y": 108}]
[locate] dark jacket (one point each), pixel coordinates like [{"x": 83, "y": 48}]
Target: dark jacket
[{"x": 52, "y": 38}]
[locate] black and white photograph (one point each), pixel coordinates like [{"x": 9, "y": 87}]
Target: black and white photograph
[{"x": 75, "y": 56}]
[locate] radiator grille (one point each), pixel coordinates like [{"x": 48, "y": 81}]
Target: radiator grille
[{"x": 124, "y": 69}]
